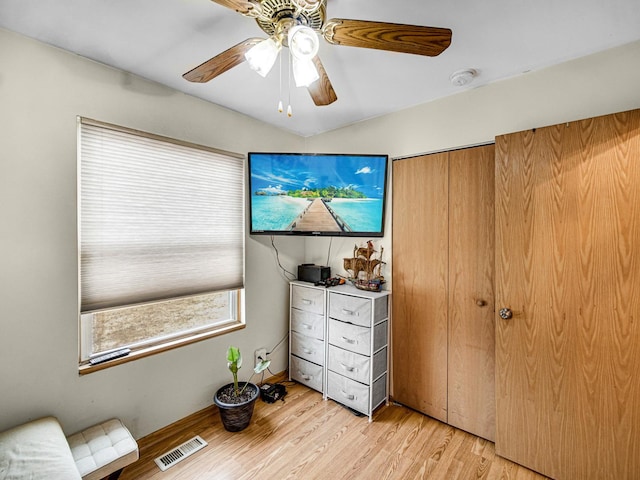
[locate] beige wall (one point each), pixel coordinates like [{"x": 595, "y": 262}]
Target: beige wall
[
  {"x": 42, "y": 90},
  {"x": 599, "y": 84}
]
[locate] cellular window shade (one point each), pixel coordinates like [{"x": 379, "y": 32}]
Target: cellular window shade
[{"x": 158, "y": 219}]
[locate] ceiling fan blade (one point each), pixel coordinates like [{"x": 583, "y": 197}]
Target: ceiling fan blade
[
  {"x": 221, "y": 63},
  {"x": 429, "y": 41},
  {"x": 245, "y": 7},
  {"x": 321, "y": 90}
]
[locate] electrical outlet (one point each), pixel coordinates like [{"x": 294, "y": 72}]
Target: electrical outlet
[{"x": 259, "y": 356}]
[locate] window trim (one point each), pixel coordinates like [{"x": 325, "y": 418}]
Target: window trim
[
  {"x": 170, "y": 342},
  {"x": 86, "y": 368}
]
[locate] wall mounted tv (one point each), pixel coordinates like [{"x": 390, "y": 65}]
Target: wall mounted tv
[{"x": 317, "y": 194}]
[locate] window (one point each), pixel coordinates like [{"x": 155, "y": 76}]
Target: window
[{"x": 161, "y": 238}]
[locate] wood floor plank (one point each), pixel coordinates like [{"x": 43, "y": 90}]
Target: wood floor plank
[{"x": 306, "y": 437}]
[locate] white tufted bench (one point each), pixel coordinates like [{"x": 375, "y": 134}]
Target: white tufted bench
[
  {"x": 104, "y": 449},
  {"x": 36, "y": 450}
]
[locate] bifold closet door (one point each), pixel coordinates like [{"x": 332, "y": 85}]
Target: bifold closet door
[
  {"x": 443, "y": 326},
  {"x": 420, "y": 283},
  {"x": 471, "y": 337},
  {"x": 568, "y": 271}
]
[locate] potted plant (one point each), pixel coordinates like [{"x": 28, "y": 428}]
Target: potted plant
[{"x": 236, "y": 400}]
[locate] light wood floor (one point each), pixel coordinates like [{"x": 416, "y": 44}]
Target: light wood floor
[{"x": 307, "y": 438}]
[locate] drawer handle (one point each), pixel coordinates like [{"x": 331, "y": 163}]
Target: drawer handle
[
  {"x": 348, "y": 340},
  {"x": 347, "y": 367},
  {"x": 348, "y": 312},
  {"x": 307, "y": 326},
  {"x": 306, "y": 377},
  {"x": 306, "y": 301},
  {"x": 307, "y": 351},
  {"x": 348, "y": 396}
]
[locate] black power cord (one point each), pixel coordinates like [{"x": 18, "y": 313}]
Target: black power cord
[{"x": 286, "y": 273}]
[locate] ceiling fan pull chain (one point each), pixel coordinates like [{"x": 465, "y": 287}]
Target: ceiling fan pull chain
[
  {"x": 289, "y": 111},
  {"x": 280, "y": 109}
]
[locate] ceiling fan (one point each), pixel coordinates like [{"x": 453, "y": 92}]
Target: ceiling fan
[{"x": 296, "y": 24}]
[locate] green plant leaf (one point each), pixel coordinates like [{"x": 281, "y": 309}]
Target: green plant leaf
[
  {"x": 262, "y": 366},
  {"x": 234, "y": 358}
]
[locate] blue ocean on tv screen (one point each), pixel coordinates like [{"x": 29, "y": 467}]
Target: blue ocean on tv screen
[
  {"x": 275, "y": 212},
  {"x": 360, "y": 215},
  {"x": 283, "y": 186}
]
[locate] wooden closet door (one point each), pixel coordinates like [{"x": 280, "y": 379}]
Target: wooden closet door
[
  {"x": 568, "y": 265},
  {"x": 420, "y": 245},
  {"x": 471, "y": 385}
]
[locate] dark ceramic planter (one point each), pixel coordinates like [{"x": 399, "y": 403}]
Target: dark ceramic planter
[{"x": 237, "y": 416}]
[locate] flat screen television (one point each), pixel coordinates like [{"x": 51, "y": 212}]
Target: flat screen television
[{"x": 317, "y": 194}]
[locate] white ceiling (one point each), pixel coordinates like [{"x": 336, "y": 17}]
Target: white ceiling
[{"x": 162, "y": 39}]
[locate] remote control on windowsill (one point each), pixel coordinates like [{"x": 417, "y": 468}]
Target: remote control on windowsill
[{"x": 110, "y": 356}]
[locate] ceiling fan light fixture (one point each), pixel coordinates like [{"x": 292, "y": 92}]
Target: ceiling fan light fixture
[
  {"x": 262, "y": 56},
  {"x": 304, "y": 72},
  {"x": 303, "y": 42},
  {"x": 299, "y": 25}
]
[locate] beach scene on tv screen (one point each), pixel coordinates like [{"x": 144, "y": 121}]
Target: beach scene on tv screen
[{"x": 307, "y": 193}]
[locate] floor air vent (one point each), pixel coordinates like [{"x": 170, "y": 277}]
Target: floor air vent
[{"x": 190, "y": 447}]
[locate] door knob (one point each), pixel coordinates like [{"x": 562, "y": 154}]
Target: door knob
[{"x": 505, "y": 313}]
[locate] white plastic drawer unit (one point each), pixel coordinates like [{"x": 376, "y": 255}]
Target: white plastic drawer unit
[
  {"x": 308, "y": 299},
  {"x": 338, "y": 343},
  {"x": 307, "y": 335}
]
